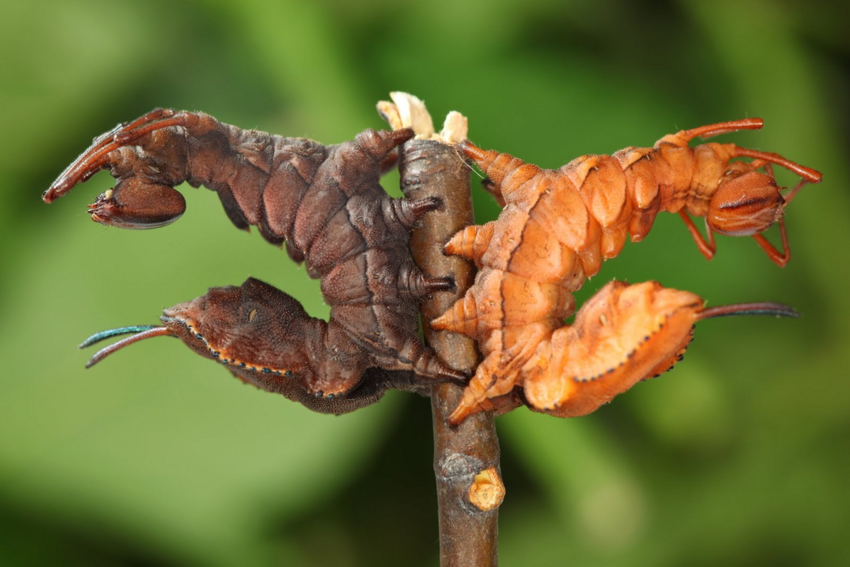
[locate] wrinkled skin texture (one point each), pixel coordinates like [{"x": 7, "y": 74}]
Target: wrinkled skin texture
[
  {"x": 265, "y": 338},
  {"x": 556, "y": 229},
  {"x": 324, "y": 203}
]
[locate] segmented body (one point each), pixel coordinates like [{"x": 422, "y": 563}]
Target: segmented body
[
  {"x": 324, "y": 202},
  {"x": 557, "y": 227}
]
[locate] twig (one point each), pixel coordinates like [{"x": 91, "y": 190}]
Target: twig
[{"x": 466, "y": 458}]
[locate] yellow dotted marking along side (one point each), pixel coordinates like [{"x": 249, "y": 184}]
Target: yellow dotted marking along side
[{"x": 222, "y": 356}]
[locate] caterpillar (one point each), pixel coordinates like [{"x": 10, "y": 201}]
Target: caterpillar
[
  {"x": 264, "y": 338},
  {"x": 323, "y": 203},
  {"x": 558, "y": 226}
]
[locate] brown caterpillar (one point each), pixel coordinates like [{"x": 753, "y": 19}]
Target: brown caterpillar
[
  {"x": 264, "y": 337},
  {"x": 324, "y": 202},
  {"x": 555, "y": 230}
]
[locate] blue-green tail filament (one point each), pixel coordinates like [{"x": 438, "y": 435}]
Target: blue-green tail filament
[
  {"x": 141, "y": 332},
  {"x": 108, "y": 334}
]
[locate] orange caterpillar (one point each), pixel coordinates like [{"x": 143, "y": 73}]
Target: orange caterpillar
[{"x": 555, "y": 230}]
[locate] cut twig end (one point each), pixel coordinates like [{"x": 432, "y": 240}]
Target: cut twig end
[{"x": 487, "y": 490}]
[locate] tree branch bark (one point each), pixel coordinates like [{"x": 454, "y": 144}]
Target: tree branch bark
[{"x": 466, "y": 458}]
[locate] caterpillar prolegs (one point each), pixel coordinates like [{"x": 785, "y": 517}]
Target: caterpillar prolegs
[
  {"x": 556, "y": 228},
  {"x": 325, "y": 204}
]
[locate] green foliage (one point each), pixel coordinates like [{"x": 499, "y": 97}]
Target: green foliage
[{"x": 738, "y": 457}]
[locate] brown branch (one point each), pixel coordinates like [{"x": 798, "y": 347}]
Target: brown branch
[{"x": 466, "y": 458}]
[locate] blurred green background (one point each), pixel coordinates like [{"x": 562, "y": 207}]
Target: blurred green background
[{"x": 157, "y": 457}]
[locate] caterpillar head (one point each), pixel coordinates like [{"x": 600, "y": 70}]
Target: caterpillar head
[
  {"x": 746, "y": 202},
  {"x": 137, "y": 203}
]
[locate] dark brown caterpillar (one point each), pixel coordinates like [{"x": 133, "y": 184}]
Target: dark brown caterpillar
[
  {"x": 324, "y": 202},
  {"x": 555, "y": 230},
  {"x": 264, "y": 337}
]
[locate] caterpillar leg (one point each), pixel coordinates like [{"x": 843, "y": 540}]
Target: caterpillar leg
[
  {"x": 806, "y": 173},
  {"x": 778, "y": 258},
  {"x": 706, "y": 245}
]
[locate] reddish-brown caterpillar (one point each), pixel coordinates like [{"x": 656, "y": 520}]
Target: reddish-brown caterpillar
[
  {"x": 325, "y": 203},
  {"x": 264, "y": 337},
  {"x": 555, "y": 230}
]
